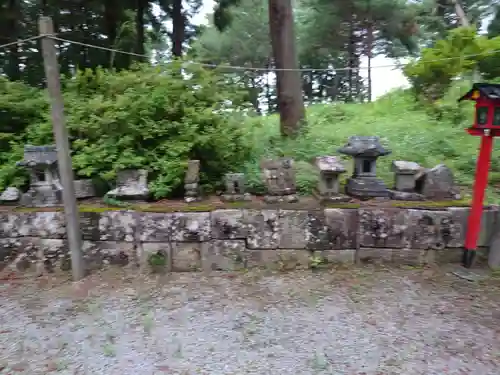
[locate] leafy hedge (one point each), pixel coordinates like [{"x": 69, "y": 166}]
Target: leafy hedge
[{"x": 155, "y": 118}]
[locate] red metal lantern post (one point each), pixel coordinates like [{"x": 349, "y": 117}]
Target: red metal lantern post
[{"x": 486, "y": 125}]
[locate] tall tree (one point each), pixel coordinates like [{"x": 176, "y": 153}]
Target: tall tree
[{"x": 288, "y": 82}]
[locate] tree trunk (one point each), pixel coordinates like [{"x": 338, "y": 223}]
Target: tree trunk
[
  {"x": 288, "y": 82},
  {"x": 178, "y": 28},
  {"x": 12, "y": 69},
  {"x": 111, "y": 28},
  {"x": 369, "y": 51},
  {"x": 139, "y": 27},
  {"x": 464, "y": 21},
  {"x": 351, "y": 50}
]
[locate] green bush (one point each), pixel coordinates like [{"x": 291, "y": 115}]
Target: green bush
[
  {"x": 156, "y": 118},
  {"x": 21, "y": 106}
]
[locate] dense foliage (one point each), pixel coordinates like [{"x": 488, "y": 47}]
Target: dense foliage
[{"x": 155, "y": 118}]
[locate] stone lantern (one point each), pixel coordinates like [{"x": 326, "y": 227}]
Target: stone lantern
[
  {"x": 330, "y": 168},
  {"x": 45, "y": 189},
  {"x": 364, "y": 183}
]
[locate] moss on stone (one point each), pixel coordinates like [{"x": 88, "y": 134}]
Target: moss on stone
[
  {"x": 432, "y": 204},
  {"x": 343, "y": 205}
]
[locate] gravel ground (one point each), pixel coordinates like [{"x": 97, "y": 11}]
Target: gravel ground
[{"x": 351, "y": 321}]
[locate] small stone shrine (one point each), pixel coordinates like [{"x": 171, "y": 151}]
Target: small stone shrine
[
  {"x": 45, "y": 189},
  {"x": 405, "y": 180},
  {"x": 364, "y": 183},
  {"x": 235, "y": 188},
  {"x": 330, "y": 168},
  {"x": 131, "y": 184},
  {"x": 192, "y": 182},
  {"x": 84, "y": 188},
  {"x": 279, "y": 178}
]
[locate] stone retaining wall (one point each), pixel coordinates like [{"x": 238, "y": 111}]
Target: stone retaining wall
[{"x": 232, "y": 239}]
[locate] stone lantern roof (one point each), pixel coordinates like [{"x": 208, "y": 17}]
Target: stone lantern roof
[
  {"x": 364, "y": 146},
  {"x": 38, "y": 156}
]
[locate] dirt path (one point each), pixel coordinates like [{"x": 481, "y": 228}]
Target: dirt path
[{"x": 359, "y": 321}]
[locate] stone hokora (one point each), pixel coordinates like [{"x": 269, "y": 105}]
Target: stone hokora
[
  {"x": 235, "y": 185},
  {"x": 364, "y": 183},
  {"x": 330, "y": 168},
  {"x": 279, "y": 178},
  {"x": 45, "y": 189},
  {"x": 405, "y": 180}
]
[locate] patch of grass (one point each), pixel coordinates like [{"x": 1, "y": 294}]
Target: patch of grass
[
  {"x": 109, "y": 350},
  {"x": 410, "y": 130}
]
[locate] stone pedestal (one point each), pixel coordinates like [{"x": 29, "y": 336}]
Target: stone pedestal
[
  {"x": 131, "y": 184},
  {"x": 364, "y": 183},
  {"x": 279, "y": 178}
]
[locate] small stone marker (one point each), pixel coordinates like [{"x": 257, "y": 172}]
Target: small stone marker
[
  {"x": 45, "y": 188},
  {"x": 364, "y": 182},
  {"x": 11, "y": 195},
  {"x": 192, "y": 182},
  {"x": 235, "y": 188},
  {"x": 438, "y": 183},
  {"x": 405, "y": 176},
  {"x": 330, "y": 168},
  {"x": 131, "y": 184},
  {"x": 279, "y": 178}
]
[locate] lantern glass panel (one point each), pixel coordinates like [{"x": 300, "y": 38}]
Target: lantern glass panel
[
  {"x": 496, "y": 117},
  {"x": 482, "y": 115}
]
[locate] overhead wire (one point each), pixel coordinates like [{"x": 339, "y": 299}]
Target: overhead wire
[{"x": 234, "y": 67}]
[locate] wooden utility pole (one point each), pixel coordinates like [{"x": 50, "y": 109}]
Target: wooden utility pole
[{"x": 49, "y": 52}]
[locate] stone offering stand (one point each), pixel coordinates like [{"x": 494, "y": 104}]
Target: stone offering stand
[{"x": 421, "y": 220}]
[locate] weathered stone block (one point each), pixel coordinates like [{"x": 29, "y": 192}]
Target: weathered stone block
[
  {"x": 373, "y": 255},
  {"x": 102, "y": 253},
  {"x": 224, "y": 255},
  {"x": 346, "y": 256},
  {"x": 48, "y": 225},
  {"x": 89, "y": 225},
  {"x": 433, "y": 230},
  {"x": 186, "y": 257},
  {"x": 332, "y": 229},
  {"x": 488, "y": 220},
  {"x": 281, "y": 259},
  {"x": 118, "y": 226},
  {"x": 228, "y": 224},
  {"x": 191, "y": 227},
  {"x": 411, "y": 257},
  {"x": 146, "y": 249},
  {"x": 382, "y": 228},
  {"x": 293, "y": 229},
  {"x": 263, "y": 228},
  {"x": 154, "y": 227},
  {"x": 20, "y": 249},
  {"x": 35, "y": 224}
]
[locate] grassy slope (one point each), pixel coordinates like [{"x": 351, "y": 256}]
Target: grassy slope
[{"x": 405, "y": 127}]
